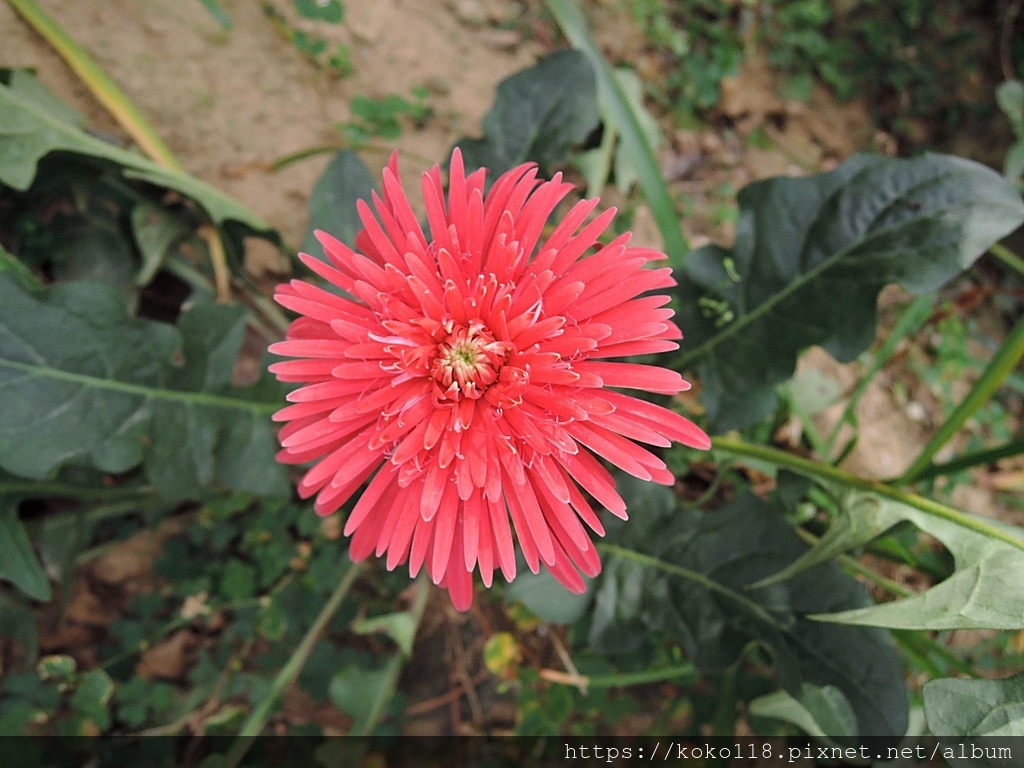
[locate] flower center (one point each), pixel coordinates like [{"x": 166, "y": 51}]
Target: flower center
[{"x": 467, "y": 361}]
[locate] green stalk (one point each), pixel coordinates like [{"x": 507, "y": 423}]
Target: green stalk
[
  {"x": 99, "y": 84},
  {"x": 1001, "y": 366},
  {"x": 1008, "y": 257},
  {"x": 574, "y": 27},
  {"x": 973, "y": 459},
  {"x": 820, "y": 471},
  {"x": 259, "y": 717},
  {"x": 684, "y": 674},
  {"x": 41, "y": 488},
  {"x": 724, "y": 722},
  {"x": 926, "y": 646}
]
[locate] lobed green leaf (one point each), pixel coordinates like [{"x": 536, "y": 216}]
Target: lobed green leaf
[
  {"x": 986, "y": 590},
  {"x": 85, "y": 383}
]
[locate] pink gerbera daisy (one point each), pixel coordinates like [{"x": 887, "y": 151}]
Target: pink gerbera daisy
[{"x": 466, "y": 377}]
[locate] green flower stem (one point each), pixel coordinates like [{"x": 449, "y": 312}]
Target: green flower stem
[
  {"x": 1001, "y": 366},
  {"x": 99, "y": 84},
  {"x": 919, "y": 654},
  {"x": 574, "y": 27},
  {"x": 1008, "y": 257},
  {"x": 927, "y": 646},
  {"x": 684, "y": 674},
  {"x": 968, "y": 460},
  {"x": 302, "y": 154},
  {"x": 724, "y": 722},
  {"x": 45, "y": 488},
  {"x": 200, "y": 399},
  {"x": 817, "y": 470},
  {"x": 259, "y": 717}
]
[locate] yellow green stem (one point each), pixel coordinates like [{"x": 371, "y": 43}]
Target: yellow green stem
[
  {"x": 1008, "y": 257},
  {"x": 1001, "y": 366},
  {"x": 819, "y": 471}
]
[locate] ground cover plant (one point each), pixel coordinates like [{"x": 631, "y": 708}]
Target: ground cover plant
[{"x": 484, "y": 387}]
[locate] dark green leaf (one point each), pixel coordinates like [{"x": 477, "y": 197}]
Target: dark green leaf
[
  {"x": 155, "y": 232},
  {"x": 810, "y": 257},
  {"x": 18, "y": 562},
  {"x": 693, "y": 583},
  {"x": 93, "y": 247},
  {"x": 332, "y": 207},
  {"x": 538, "y": 114},
  {"x": 92, "y": 697},
  {"x": 29, "y": 132},
  {"x": 965, "y": 708},
  {"x": 239, "y": 581},
  {"x": 85, "y": 383},
  {"x": 821, "y": 711},
  {"x": 14, "y": 720},
  {"x": 18, "y": 622}
]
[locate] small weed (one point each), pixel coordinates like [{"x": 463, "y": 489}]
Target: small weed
[
  {"x": 380, "y": 118},
  {"x": 337, "y": 61}
]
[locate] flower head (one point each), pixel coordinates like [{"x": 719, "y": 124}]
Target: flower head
[{"x": 466, "y": 377}]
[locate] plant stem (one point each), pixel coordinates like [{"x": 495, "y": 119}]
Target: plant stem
[
  {"x": 574, "y": 27},
  {"x": 925, "y": 646},
  {"x": 99, "y": 84},
  {"x": 968, "y": 460},
  {"x": 259, "y": 717},
  {"x": 36, "y": 489},
  {"x": 1001, "y": 366},
  {"x": 724, "y": 723},
  {"x": 303, "y": 154},
  {"x": 684, "y": 674},
  {"x": 1008, "y": 257},
  {"x": 820, "y": 471}
]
